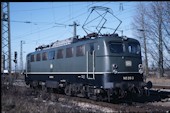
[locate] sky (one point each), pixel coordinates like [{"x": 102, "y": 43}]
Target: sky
[{"x": 37, "y": 23}]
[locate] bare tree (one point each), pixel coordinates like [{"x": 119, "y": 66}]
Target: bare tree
[
  {"x": 140, "y": 24},
  {"x": 154, "y": 21},
  {"x": 166, "y": 25},
  {"x": 166, "y": 18}
]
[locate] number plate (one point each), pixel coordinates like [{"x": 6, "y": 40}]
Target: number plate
[
  {"x": 128, "y": 63},
  {"x": 128, "y": 78}
]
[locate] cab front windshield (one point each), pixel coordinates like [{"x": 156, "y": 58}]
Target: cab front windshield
[
  {"x": 116, "y": 47},
  {"x": 132, "y": 48}
]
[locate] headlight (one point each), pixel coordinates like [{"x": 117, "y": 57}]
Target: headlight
[
  {"x": 114, "y": 66},
  {"x": 114, "y": 71},
  {"x": 140, "y": 71},
  {"x": 140, "y": 68}
]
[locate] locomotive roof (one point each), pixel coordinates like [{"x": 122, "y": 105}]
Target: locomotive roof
[{"x": 113, "y": 37}]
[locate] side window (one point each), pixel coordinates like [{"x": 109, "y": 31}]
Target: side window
[
  {"x": 91, "y": 48},
  {"x": 32, "y": 58},
  {"x": 38, "y": 57},
  {"x": 69, "y": 52},
  {"x": 44, "y": 56},
  {"x": 60, "y": 53},
  {"x": 51, "y": 55},
  {"x": 80, "y": 50}
]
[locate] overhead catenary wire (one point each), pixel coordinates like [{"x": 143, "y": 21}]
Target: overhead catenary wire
[
  {"x": 54, "y": 15},
  {"x": 29, "y": 22},
  {"x": 26, "y": 35},
  {"x": 59, "y": 24},
  {"x": 55, "y": 23},
  {"x": 35, "y": 23},
  {"x": 52, "y": 27},
  {"x": 44, "y": 8},
  {"x": 53, "y": 12}
]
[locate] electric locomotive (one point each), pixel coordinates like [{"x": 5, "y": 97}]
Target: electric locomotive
[{"x": 97, "y": 66}]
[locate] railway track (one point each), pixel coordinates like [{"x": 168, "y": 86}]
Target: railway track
[{"x": 159, "y": 86}]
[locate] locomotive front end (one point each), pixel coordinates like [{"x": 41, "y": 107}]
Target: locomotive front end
[{"x": 126, "y": 66}]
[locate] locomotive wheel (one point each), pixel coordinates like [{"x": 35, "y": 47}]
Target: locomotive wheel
[
  {"x": 44, "y": 88},
  {"x": 99, "y": 97},
  {"x": 67, "y": 90}
]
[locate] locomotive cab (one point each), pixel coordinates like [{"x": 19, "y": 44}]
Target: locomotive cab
[{"x": 123, "y": 57}]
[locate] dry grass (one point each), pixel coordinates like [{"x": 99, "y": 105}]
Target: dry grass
[
  {"x": 16, "y": 99},
  {"x": 162, "y": 80},
  {"x": 23, "y": 100}
]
